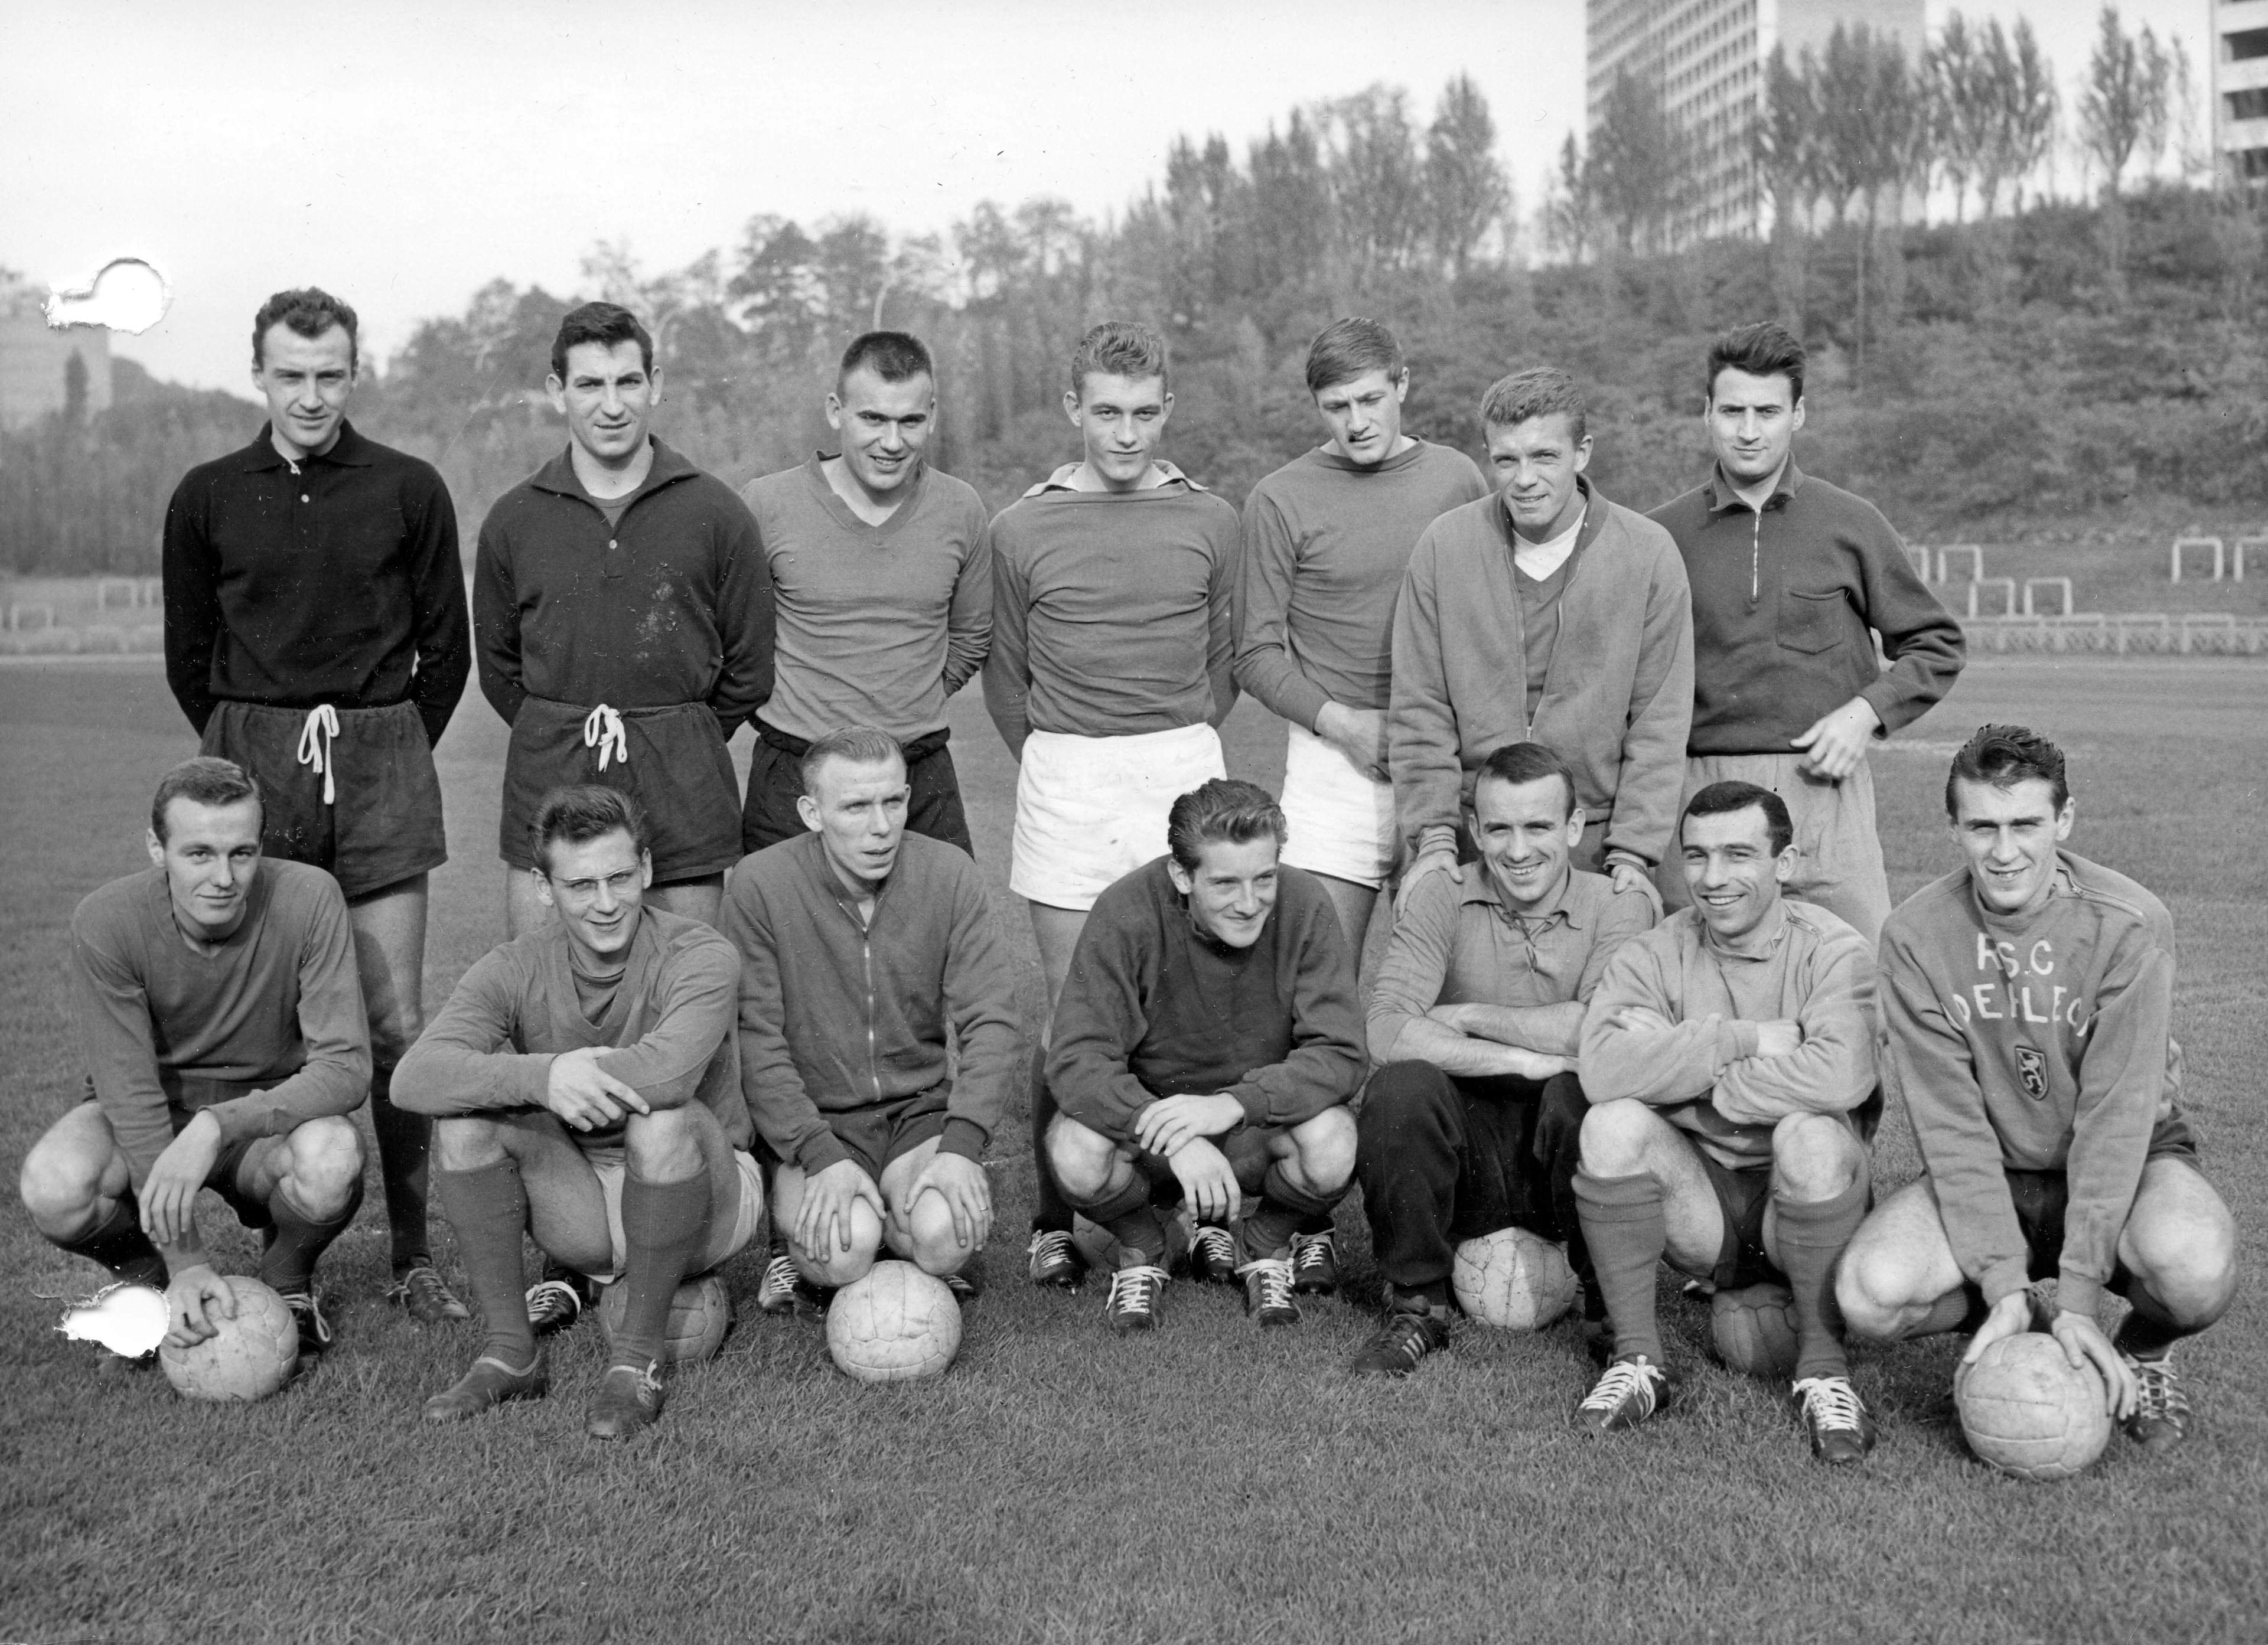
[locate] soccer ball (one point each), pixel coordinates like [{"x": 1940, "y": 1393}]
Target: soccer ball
[
  {"x": 1513, "y": 1279},
  {"x": 896, "y": 1325},
  {"x": 1754, "y": 1329},
  {"x": 699, "y": 1316},
  {"x": 2029, "y": 1411},
  {"x": 249, "y": 1358}
]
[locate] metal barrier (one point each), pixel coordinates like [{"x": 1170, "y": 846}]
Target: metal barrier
[
  {"x": 1975, "y": 554},
  {"x": 22, "y": 609},
  {"x": 2007, "y": 587},
  {"x": 2258, "y": 544},
  {"x": 2123, "y": 634},
  {"x": 2063, "y": 582},
  {"x": 2213, "y": 543}
]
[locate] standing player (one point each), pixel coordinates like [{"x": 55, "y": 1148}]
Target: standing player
[
  {"x": 882, "y": 570},
  {"x": 315, "y": 635},
  {"x": 1547, "y": 612},
  {"x": 588, "y": 1089},
  {"x": 225, "y": 1044},
  {"x": 1326, "y": 540},
  {"x": 1789, "y": 574},
  {"x": 2029, "y": 997},
  {"x": 864, "y": 946},
  {"x": 1113, "y": 646},
  {"x": 1208, "y": 1037},
  {"x": 1729, "y": 1057},
  {"x": 1470, "y": 1124}
]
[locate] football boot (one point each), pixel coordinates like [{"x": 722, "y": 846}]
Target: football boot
[
  {"x": 1408, "y": 1335},
  {"x": 1055, "y": 1259},
  {"x": 1628, "y": 1392},
  {"x": 1315, "y": 1264},
  {"x": 553, "y": 1305},
  {"x": 1213, "y": 1255},
  {"x": 1841, "y": 1428},
  {"x": 1268, "y": 1296},
  {"x": 2161, "y": 1410},
  {"x": 627, "y": 1400},
  {"x": 425, "y": 1296},
  {"x": 487, "y": 1384},
  {"x": 1132, "y": 1304}
]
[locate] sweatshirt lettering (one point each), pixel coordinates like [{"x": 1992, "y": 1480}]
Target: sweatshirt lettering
[{"x": 2013, "y": 995}]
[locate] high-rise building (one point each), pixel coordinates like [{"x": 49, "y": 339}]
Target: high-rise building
[
  {"x": 2240, "y": 89},
  {"x": 1705, "y": 60},
  {"x": 36, "y": 370}
]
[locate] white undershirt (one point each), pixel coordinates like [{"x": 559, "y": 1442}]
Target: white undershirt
[{"x": 1541, "y": 560}]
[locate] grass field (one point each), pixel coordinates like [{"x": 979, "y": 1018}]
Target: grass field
[{"x": 1059, "y": 1485}]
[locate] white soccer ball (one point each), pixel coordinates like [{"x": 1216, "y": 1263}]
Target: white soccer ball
[
  {"x": 699, "y": 1315},
  {"x": 896, "y": 1324},
  {"x": 249, "y": 1358},
  {"x": 1513, "y": 1280},
  {"x": 2029, "y": 1411}
]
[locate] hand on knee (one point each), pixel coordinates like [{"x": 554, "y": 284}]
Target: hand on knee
[
  {"x": 831, "y": 1263},
  {"x": 930, "y": 1240}
]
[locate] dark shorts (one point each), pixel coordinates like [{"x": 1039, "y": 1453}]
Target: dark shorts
[
  {"x": 1743, "y": 1196},
  {"x": 890, "y": 1130},
  {"x": 2041, "y": 1198},
  {"x": 776, "y": 783},
  {"x": 382, "y": 824},
  {"x": 677, "y": 769},
  {"x": 226, "y": 1166}
]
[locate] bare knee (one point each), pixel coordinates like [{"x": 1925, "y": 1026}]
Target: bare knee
[
  {"x": 1325, "y": 1149},
  {"x": 1872, "y": 1288},
  {"x": 830, "y": 1263},
  {"x": 324, "y": 1164},
  {"x": 1083, "y": 1158},
  {"x": 1616, "y": 1138},
  {"x": 2184, "y": 1252},
  {"x": 466, "y": 1143},
  {"x": 1815, "y": 1156},
  {"x": 935, "y": 1248},
  {"x": 664, "y": 1146},
  {"x": 61, "y": 1182}
]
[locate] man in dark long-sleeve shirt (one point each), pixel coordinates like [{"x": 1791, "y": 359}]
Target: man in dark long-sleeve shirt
[
  {"x": 1208, "y": 1033},
  {"x": 315, "y": 635},
  {"x": 624, "y": 620}
]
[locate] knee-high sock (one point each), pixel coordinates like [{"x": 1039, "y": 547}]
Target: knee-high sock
[
  {"x": 1621, "y": 1219},
  {"x": 404, "y": 1140},
  {"x": 2145, "y": 1333},
  {"x": 1812, "y": 1235},
  {"x": 1286, "y": 1208},
  {"x": 296, "y": 1239},
  {"x": 1053, "y": 1211},
  {"x": 1133, "y": 1222},
  {"x": 487, "y": 1207},
  {"x": 118, "y": 1243},
  {"x": 663, "y": 1226}
]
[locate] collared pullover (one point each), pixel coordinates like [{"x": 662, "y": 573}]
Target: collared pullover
[
  {"x": 666, "y": 1031},
  {"x": 1803, "y": 966},
  {"x": 878, "y": 625},
  {"x": 333, "y": 580},
  {"x": 1616, "y": 698},
  {"x": 672, "y": 606},
  {"x": 1326, "y": 542},
  {"x": 1461, "y": 945},
  {"x": 1155, "y": 1008},
  {"x": 839, "y": 1013},
  {"x": 1783, "y": 599},
  {"x": 1113, "y": 612},
  {"x": 2033, "y": 1042},
  {"x": 263, "y": 1029}
]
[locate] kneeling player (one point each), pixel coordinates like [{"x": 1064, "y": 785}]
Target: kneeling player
[
  {"x": 1729, "y": 1058},
  {"x": 587, "y": 1085},
  {"x": 222, "y": 1020},
  {"x": 2027, "y": 999},
  {"x": 1208, "y": 1033}
]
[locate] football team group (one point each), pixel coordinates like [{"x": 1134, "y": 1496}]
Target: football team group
[{"x": 1643, "y": 993}]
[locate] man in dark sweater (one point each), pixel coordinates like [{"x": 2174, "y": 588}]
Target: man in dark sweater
[
  {"x": 1208, "y": 1036},
  {"x": 2028, "y": 998},
  {"x": 315, "y": 635},
  {"x": 225, "y": 1044},
  {"x": 1789, "y": 574}
]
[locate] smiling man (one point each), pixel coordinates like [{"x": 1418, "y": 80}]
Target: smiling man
[
  {"x": 224, "y": 1040},
  {"x": 864, "y": 948},
  {"x": 1729, "y": 1058},
  {"x": 315, "y": 635},
  {"x": 1789, "y": 576},
  {"x": 1208, "y": 1039},
  {"x": 586, "y": 1085},
  {"x": 2028, "y": 998},
  {"x": 1548, "y": 612},
  {"x": 1113, "y": 649}
]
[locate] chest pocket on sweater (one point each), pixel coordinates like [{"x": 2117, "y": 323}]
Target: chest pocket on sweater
[{"x": 1813, "y": 622}]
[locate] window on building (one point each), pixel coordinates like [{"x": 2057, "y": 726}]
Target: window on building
[
  {"x": 2252, "y": 42},
  {"x": 2249, "y": 105}
]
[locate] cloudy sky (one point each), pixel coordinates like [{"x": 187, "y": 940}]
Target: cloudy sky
[{"x": 404, "y": 154}]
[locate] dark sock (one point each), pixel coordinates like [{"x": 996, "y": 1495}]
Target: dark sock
[
  {"x": 1812, "y": 1236},
  {"x": 1434, "y": 1293},
  {"x": 2142, "y": 1334},
  {"x": 404, "y": 1141},
  {"x": 487, "y": 1207},
  {"x": 287, "y": 1266},
  {"x": 1285, "y": 1208},
  {"x": 1621, "y": 1218},
  {"x": 1054, "y": 1212},
  {"x": 1133, "y": 1222},
  {"x": 663, "y": 1226},
  {"x": 118, "y": 1243}
]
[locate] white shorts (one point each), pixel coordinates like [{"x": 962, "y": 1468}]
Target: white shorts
[
  {"x": 1092, "y": 810},
  {"x": 724, "y": 1240},
  {"x": 1341, "y": 821}
]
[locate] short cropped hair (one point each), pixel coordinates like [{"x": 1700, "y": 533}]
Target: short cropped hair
[
  {"x": 309, "y": 312},
  {"x": 860, "y": 744},
  {"x": 605, "y": 324},
  {"x": 2003, "y": 756},
  {"x": 1540, "y": 390},
  {"x": 1763, "y": 349},
  {"x": 1525, "y": 762},
  {"x": 1118, "y": 347},
  {"x": 895, "y": 357},
  {"x": 580, "y": 812},
  {"x": 1225, "y": 809},
  {"x": 204, "y": 780},
  {"x": 1351, "y": 348},
  {"x": 1721, "y": 799}
]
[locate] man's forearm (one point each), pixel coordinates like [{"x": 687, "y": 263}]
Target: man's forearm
[
  {"x": 1555, "y": 1030},
  {"x": 1427, "y": 1040}
]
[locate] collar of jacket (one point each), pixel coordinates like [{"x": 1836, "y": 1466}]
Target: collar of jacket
[
  {"x": 1718, "y": 494},
  {"x": 557, "y": 476},
  {"x": 348, "y": 450}
]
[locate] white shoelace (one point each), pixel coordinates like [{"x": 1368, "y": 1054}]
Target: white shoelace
[
  {"x": 2157, "y": 1392},
  {"x": 315, "y": 733},
  {"x": 780, "y": 1275},
  {"x": 1275, "y": 1276},
  {"x": 602, "y": 730},
  {"x": 1616, "y": 1384},
  {"x": 1312, "y": 1250},
  {"x": 1139, "y": 1286},
  {"x": 1830, "y": 1402},
  {"x": 1216, "y": 1245}
]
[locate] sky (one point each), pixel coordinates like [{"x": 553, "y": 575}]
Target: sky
[{"x": 405, "y": 154}]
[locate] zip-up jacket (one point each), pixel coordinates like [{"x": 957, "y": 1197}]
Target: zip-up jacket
[{"x": 839, "y": 1013}]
